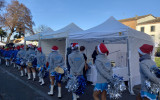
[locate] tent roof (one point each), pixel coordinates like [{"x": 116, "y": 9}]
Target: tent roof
[
  {"x": 109, "y": 29},
  {"x": 37, "y": 36},
  {"x": 63, "y": 32}
]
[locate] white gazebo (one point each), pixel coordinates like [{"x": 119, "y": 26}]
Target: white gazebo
[
  {"x": 37, "y": 36},
  {"x": 122, "y": 42},
  {"x": 59, "y": 38}
]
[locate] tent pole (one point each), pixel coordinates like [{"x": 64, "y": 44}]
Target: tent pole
[
  {"x": 66, "y": 51},
  {"x": 39, "y": 41},
  {"x": 128, "y": 60}
]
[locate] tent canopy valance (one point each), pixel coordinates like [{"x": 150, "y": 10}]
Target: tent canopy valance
[{"x": 63, "y": 32}]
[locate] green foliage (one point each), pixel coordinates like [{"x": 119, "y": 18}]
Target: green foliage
[
  {"x": 16, "y": 36},
  {"x": 158, "y": 49},
  {"x": 157, "y": 60}
]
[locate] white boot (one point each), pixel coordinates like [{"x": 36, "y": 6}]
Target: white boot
[
  {"x": 42, "y": 81},
  {"x": 51, "y": 90},
  {"x": 19, "y": 67},
  {"x": 14, "y": 65},
  {"x": 74, "y": 96},
  {"x": 29, "y": 76},
  {"x": 34, "y": 76},
  {"x": 21, "y": 72},
  {"x": 59, "y": 92},
  {"x": 25, "y": 71},
  {"x": 6, "y": 64},
  {"x": 77, "y": 96},
  {"x": 11, "y": 62}
]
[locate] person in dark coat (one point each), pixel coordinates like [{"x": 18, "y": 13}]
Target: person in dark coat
[
  {"x": 69, "y": 51},
  {"x": 82, "y": 48},
  {"x": 94, "y": 55}
]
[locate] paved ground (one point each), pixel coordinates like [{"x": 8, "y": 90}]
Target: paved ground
[{"x": 14, "y": 87}]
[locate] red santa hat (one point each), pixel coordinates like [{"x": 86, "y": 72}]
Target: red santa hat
[
  {"x": 7, "y": 49},
  {"x": 39, "y": 49},
  {"x": 18, "y": 47},
  {"x": 54, "y": 48},
  {"x": 22, "y": 47},
  {"x": 74, "y": 45},
  {"x": 145, "y": 49},
  {"x": 102, "y": 49}
]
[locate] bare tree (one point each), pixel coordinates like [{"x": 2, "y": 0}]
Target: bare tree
[
  {"x": 18, "y": 19},
  {"x": 42, "y": 28},
  {"x": 2, "y": 2}
]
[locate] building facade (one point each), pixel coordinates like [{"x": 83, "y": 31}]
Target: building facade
[{"x": 148, "y": 24}]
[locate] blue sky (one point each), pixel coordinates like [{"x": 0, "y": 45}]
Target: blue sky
[{"x": 87, "y": 13}]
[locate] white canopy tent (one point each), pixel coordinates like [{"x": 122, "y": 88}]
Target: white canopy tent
[
  {"x": 122, "y": 42},
  {"x": 58, "y": 38},
  {"x": 36, "y": 37}
]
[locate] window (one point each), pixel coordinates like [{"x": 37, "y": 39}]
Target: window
[
  {"x": 152, "y": 28},
  {"x": 142, "y": 29}
]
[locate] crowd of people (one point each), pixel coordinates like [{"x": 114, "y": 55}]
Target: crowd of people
[{"x": 33, "y": 60}]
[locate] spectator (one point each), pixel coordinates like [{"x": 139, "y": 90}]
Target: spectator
[{"x": 94, "y": 55}]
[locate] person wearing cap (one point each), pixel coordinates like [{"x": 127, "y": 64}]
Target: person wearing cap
[
  {"x": 146, "y": 63},
  {"x": 104, "y": 72},
  {"x": 30, "y": 57},
  {"x": 21, "y": 57},
  {"x": 56, "y": 60},
  {"x": 94, "y": 54},
  {"x": 41, "y": 60},
  {"x": 76, "y": 62}
]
